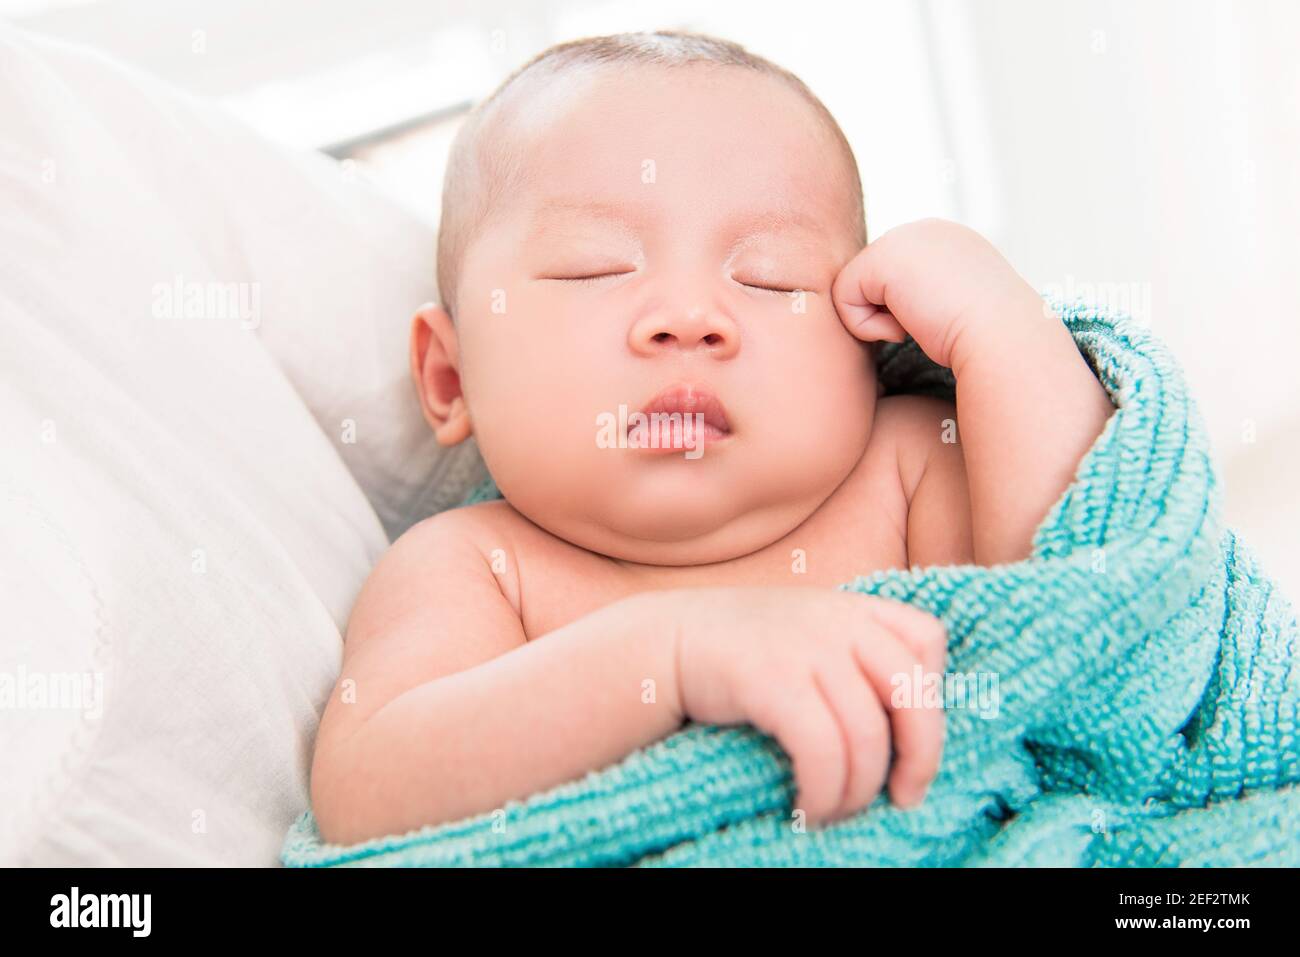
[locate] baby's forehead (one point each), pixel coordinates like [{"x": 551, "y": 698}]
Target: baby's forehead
[
  {"x": 627, "y": 100},
  {"x": 605, "y": 152}
]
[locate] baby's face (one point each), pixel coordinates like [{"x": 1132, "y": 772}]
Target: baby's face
[{"x": 635, "y": 269}]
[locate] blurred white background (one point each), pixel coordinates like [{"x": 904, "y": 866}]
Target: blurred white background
[{"x": 1144, "y": 154}]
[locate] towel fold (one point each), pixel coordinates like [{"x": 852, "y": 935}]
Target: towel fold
[{"x": 1123, "y": 697}]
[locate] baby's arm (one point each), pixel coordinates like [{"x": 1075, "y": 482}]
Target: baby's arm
[
  {"x": 444, "y": 710},
  {"x": 1028, "y": 405},
  {"x": 1028, "y": 408}
]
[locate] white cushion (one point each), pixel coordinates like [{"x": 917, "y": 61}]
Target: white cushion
[{"x": 185, "y": 525}]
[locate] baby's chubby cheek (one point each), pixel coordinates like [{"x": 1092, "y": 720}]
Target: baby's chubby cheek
[
  {"x": 826, "y": 412},
  {"x": 534, "y": 403}
]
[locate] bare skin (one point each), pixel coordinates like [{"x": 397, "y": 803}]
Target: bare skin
[{"x": 505, "y": 648}]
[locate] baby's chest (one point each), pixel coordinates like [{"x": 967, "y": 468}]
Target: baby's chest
[
  {"x": 859, "y": 535},
  {"x": 834, "y": 554}
]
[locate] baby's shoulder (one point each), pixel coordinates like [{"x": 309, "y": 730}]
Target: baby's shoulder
[
  {"x": 454, "y": 552},
  {"x": 468, "y": 520},
  {"x": 488, "y": 540},
  {"x": 492, "y": 529},
  {"x": 546, "y": 580}
]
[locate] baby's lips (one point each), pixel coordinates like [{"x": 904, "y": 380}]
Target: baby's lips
[
  {"x": 682, "y": 434},
  {"x": 688, "y": 398}
]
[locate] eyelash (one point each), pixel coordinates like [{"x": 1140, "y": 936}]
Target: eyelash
[
  {"x": 585, "y": 280},
  {"x": 596, "y": 277},
  {"x": 773, "y": 289}
]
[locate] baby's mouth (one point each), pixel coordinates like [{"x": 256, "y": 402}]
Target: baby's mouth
[{"x": 682, "y": 416}]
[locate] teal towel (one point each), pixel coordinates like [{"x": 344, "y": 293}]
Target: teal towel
[{"x": 1132, "y": 700}]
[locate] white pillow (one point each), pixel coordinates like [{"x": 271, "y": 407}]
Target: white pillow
[
  {"x": 183, "y": 541},
  {"x": 341, "y": 271}
]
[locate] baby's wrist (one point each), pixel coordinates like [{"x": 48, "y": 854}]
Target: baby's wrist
[
  {"x": 997, "y": 324},
  {"x": 657, "y": 623}
]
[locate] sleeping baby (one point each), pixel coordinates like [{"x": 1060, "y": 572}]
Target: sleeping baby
[{"x": 659, "y": 322}]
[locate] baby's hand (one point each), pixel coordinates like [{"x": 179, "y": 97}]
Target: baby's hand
[
  {"x": 817, "y": 670},
  {"x": 930, "y": 279}
]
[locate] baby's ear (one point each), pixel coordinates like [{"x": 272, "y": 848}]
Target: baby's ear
[{"x": 435, "y": 364}]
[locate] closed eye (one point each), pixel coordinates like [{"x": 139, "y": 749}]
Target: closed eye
[
  {"x": 589, "y": 278},
  {"x": 778, "y": 289}
]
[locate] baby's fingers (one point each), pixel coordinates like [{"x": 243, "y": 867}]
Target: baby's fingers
[
  {"x": 922, "y": 632},
  {"x": 865, "y": 732},
  {"x": 892, "y": 670},
  {"x": 804, "y": 726},
  {"x": 858, "y": 294},
  {"x": 870, "y": 323}
]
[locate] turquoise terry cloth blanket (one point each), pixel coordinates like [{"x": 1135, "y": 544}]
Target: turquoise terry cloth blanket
[{"x": 1130, "y": 694}]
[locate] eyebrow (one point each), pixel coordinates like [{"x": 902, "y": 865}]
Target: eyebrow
[
  {"x": 743, "y": 227},
  {"x": 550, "y": 213}
]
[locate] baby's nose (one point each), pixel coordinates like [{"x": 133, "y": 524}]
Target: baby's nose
[{"x": 699, "y": 331}]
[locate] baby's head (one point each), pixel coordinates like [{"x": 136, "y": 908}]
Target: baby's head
[{"x": 650, "y": 222}]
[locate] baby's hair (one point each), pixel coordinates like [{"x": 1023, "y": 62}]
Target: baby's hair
[{"x": 483, "y": 166}]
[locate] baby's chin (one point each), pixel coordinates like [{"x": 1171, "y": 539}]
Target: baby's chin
[{"x": 676, "y": 530}]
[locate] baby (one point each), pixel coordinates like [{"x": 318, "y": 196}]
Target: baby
[{"x": 659, "y": 321}]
